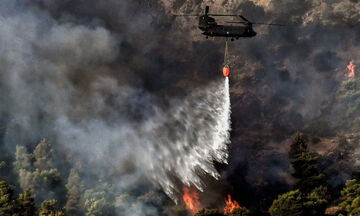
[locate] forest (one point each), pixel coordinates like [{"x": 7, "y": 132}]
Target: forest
[
  {"x": 32, "y": 184},
  {"x": 106, "y": 109}
]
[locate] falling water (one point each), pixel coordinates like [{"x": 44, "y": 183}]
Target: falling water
[
  {"x": 180, "y": 142},
  {"x": 204, "y": 138}
]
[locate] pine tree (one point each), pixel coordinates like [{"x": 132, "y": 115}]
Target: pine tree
[
  {"x": 288, "y": 204},
  {"x": 8, "y": 206},
  {"x": 209, "y": 212},
  {"x": 26, "y": 202},
  {"x": 316, "y": 201},
  {"x": 351, "y": 197},
  {"x": 48, "y": 208},
  {"x": 74, "y": 189},
  {"x": 97, "y": 207},
  {"x": 22, "y": 158},
  {"x": 43, "y": 155},
  {"x": 39, "y": 175},
  {"x": 310, "y": 196},
  {"x": 304, "y": 165}
]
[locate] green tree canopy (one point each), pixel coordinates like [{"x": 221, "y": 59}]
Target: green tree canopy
[
  {"x": 48, "y": 208},
  {"x": 43, "y": 155},
  {"x": 8, "y": 206},
  {"x": 304, "y": 164},
  {"x": 22, "y": 158},
  {"x": 209, "y": 212},
  {"x": 26, "y": 202},
  {"x": 37, "y": 172},
  {"x": 316, "y": 201},
  {"x": 74, "y": 189},
  {"x": 296, "y": 203},
  {"x": 99, "y": 207},
  {"x": 351, "y": 197},
  {"x": 287, "y": 204}
]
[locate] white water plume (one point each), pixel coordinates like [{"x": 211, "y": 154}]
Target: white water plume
[{"x": 181, "y": 142}]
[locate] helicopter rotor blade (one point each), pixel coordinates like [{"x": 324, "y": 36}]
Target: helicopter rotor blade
[
  {"x": 192, "y": 15},
  {"x": 270, "y": 24},
  {"x": 239, "y": 22},
  {"x": 232, "y": 15}
]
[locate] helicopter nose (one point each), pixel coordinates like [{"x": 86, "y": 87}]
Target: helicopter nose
[{"x": 253, "y": 33}]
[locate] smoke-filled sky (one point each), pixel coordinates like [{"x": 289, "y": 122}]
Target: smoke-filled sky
[{"x": 87, "y": 74}]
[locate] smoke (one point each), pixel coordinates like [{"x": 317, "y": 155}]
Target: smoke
[
  {"x": 180, "y": 141},
  {"x": 86, "y": 86},
  {"x": 126, "y": 83}
]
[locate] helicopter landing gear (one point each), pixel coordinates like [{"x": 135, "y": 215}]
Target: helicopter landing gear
[{"x": 207, "y": 37}]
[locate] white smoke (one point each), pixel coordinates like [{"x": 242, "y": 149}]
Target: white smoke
[
  {"x": 61, "y": 81},
  {"x": 178, "y": 143}
]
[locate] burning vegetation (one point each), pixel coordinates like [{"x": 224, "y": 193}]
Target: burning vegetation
[
  {"x": 100, "y": 85},
  {"x": 191, "y": 200},
  {"x": 231, "y": 206},
  {"x": 351, "y": 69}
]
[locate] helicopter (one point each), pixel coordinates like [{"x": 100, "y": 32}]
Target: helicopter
[{"x": 210, "y": 28}]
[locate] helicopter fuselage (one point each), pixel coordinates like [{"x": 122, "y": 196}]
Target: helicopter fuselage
[
  {"x": 229, "y": 31},
  {"x": 210, "y": 28}
]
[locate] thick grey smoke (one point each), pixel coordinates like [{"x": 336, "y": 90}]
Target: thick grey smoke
[
  {"x": 65, "y": 82},
  {"x": 113, "y": 69},
  {"x": 179, "y": 142}
]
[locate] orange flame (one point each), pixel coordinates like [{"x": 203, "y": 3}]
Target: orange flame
[
  {"x": 351, "y": 68},
  {"x": 231, "y": 206},
  {"x": 191, "y": 199}
]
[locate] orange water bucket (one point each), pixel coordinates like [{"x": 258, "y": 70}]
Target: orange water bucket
[{"x": 226, "y": 71}]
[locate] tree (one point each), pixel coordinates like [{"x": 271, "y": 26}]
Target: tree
[
  {"x": 74, "y": 189},
  {"x": 26, "y": 202},
  {"x": 298, "y": 145},
  {"x": 287, "y": 204},
  {"x": 299, "y": 204},
  {"x": 39, "y": 181},
  {"x": 178, "y": 210},
  {"x": 310, "y": 196},
  {"x": 22, "y": 158},
  {"x": 43, "y": 155},
  {"x": 304, "y": 165},
  {"x": 316, "y": 201},
  {"x": 36, "y": 171},
  {"x": 351, "y": 197},
  {"x": 48, "y": 208},
  {"x": 8, "y": 206},
  {"x": 209, "y": 212},
  {"x": 99, "y": 207},
  {"x": 100, "y": 200}
]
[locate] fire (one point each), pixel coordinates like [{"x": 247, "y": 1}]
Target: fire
[
  {"x": 191, "y": 199},
  {"x": 231, "y": 205},
  {"x": 351, "y": 68}
]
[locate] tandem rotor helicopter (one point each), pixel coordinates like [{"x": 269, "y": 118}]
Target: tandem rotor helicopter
[{"x": 210, "y": 28}]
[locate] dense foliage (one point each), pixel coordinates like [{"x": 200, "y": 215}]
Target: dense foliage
[{"x": 46, "y": 192}]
